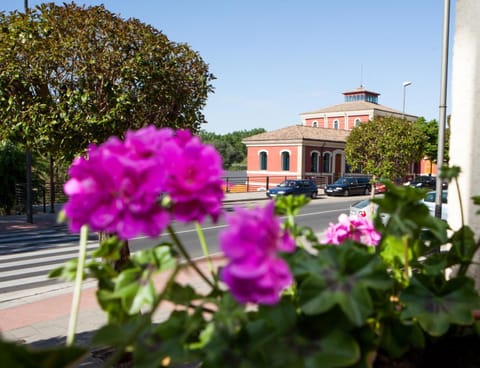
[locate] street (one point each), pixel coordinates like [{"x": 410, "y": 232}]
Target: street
[{"x": 26, "y": 256}]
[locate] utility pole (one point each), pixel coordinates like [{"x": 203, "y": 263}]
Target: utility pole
[
  {"x": 443, "y": 107},
  {"x": 28, "y": 157}
]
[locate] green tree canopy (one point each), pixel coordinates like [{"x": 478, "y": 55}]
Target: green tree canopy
[
  {"x": 12, "y": 169},
  {"x": 72, "y": 75},
  {"x": 430, "y": 131},
  {"x": 230, "y": 145},
  {"x": 384, "y": 147}
]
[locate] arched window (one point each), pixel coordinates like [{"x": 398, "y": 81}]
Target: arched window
[
  {"x": 335, "y": 124},
  {"x": 357, "y": 122},
  {"x": 285, "y": 161},
  {"x": 263, "y": 160},
  {"x": 326, "y": 162},
  {"x": 314, "y": 162},
  {"x": 315, "y": 124}
]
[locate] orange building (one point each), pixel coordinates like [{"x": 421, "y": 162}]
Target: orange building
[{"x": 315, "y": 149}]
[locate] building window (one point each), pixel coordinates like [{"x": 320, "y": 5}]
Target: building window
[
  {"x": 335, "y": 124},
  {"x": 357, "y": 122},
  {"x": 314, "y": 162},
  {"x": 315, "y": 124},
  {"x": 326, "y": 162},
  {"x": 285, "y": 161},
  {"x": 263, "y": 160}
]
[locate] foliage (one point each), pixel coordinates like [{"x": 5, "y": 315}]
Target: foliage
[
  {"x": 349, "y": 305},
  {"x": 430, "y": 131},
  {"x": 12, "y": 167},
  {"x": 230, "y": 145},
  {"x": 384, "y": 147},
  {"x": 72, "y": 75}
]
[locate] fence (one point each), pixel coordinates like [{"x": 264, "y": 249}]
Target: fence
[
  {"x": 42, "y": 194},
  {"x": 262, "y": 183},
  {"x": 41, "y": 197}
]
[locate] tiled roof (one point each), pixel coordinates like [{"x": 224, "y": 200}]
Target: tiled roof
[
  {"x": 296, "y": 132},
  {"x": 353, "y": 106}
]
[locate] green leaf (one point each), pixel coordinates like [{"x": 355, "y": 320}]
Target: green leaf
[
  {"x": 436, "y": 307},
  {"x": 336, "y": 349},
  {"x": 463, "y": 248},
  {"x": 66, "y": 272},
  {"x": 397, "y": 338},
  {"x": 343, "y": 277},
  {"x": 15, "y": 355},
  {"x": 182, "y": 294}
]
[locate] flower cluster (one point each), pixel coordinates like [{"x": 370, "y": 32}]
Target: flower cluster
[
  {"x": 118, "y": 187},
  {"x": 255, "y": 273},
  {"x": 355, "y": 228}
]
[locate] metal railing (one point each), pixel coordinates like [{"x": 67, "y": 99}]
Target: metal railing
[{"x": 42, "y": 194}]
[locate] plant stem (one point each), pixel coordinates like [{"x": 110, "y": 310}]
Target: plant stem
[
  {"x": 203, "y": 243},
  {"x": 184, "y": 253},
  {"x": 460, "y": 202},
  {"x": 405, "y": 255},
  {"x": 77, "y": 291}
]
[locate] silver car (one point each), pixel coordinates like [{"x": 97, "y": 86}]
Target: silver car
[
  {"x": 364, "y": 209},
  {"x": 429, "y": 201}
]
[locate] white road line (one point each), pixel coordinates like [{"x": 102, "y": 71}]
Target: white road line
[{"x": 44, "y": 251}]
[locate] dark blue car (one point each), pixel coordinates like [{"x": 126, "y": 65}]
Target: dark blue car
[
  {"x": 346, "y": 186},
  {"x": 294, "y": 187}
]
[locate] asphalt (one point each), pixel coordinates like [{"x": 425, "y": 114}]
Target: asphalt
[{"x": 42, "y": 320}]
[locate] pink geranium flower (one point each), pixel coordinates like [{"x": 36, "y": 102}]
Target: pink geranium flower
[
  {"x": 255, "y": 273},
  {"x": 194, "y": 178},
  {"x": 355, "y": 228},
  {"x": 117, "y": 188}
]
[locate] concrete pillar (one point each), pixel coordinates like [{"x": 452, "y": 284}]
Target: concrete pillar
[{"x": 465, "y": 118}]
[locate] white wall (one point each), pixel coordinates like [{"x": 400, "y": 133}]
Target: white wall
[{"x": 465, "y": 119}]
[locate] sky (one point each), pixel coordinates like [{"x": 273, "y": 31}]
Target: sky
[{"x": 276, "y": 59}]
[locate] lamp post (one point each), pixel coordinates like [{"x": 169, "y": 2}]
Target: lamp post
[{"x": 405, "y": 85}]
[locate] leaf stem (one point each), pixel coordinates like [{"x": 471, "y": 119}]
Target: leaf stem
[{"x": 77, "y": 291}]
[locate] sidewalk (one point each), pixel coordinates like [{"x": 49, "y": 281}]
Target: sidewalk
[{"x": 43, "y": 321}]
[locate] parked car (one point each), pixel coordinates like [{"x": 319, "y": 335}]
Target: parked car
[
  {"x": 364, "y": 209},
  {"x": 380, "y": 187},
  {"x": 349, "y": 185},
  {"x": 429, "y": 201},
  {"x": 423, "y": 181},
  {"x": 294, "y": 187}
]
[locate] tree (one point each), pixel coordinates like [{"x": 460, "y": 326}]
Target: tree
[
  {"x": 384, "y": 147},
  {"x": 230, "y": 145},
  {"x": 72, "y": 75},
  {"x": 12, "y": 167},
  {"x": 430, "y": 131}
]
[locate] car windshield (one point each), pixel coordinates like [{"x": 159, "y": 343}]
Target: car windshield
[
  {"x": 431, "y": 197},
  {"x": 287, "y": 183},
  {"x": 362, "y": 204},
  {"x": 342, "y": 181}
]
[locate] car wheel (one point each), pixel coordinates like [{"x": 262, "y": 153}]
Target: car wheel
[
  {"x": 313, "y": 195},
  {"x": 346, "y": 193},
  {"x": 367, "y": 191}
]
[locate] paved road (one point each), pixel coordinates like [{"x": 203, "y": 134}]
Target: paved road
[{"x": 27, "y": 256}]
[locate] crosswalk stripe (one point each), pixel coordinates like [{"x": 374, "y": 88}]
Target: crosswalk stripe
[
  {"x": 44, "y": 253},
  {"x": 26, "y": 258}
]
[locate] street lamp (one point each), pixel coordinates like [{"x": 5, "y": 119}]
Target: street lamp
[{"x": 405, "y": 85}]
